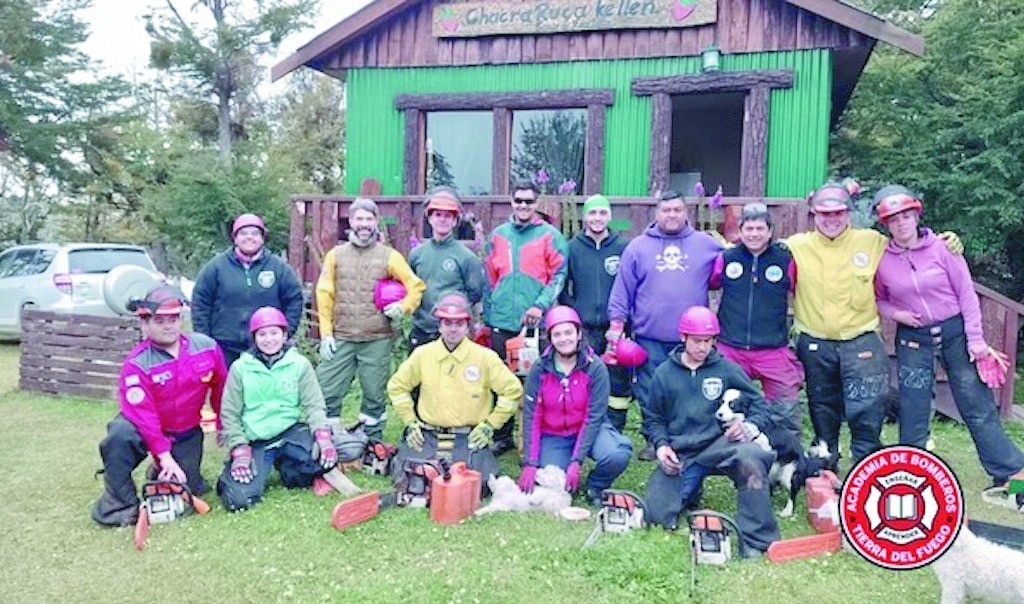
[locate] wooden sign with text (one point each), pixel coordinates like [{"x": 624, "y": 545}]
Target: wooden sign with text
[{"x": 551, "y": 16}]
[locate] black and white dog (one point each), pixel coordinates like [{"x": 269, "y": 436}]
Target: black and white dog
[{"x": 793, "y": 465}]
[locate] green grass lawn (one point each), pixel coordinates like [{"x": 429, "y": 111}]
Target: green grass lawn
[{"x": 286, "y": 549}]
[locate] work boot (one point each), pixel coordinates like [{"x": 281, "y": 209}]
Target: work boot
[
  {"x": 750, "y": 553},
  {"x": 647, "y": 454}
]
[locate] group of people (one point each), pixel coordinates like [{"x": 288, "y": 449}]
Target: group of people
[{"x": 457, "y": 397}]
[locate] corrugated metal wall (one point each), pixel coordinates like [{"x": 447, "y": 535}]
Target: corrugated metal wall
[{"x": 797, "y": 139}]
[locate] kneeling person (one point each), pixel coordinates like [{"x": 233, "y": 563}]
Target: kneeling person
[
  {"x": 565, "y": 412},
  {"x": 164, "y": 383},
  {"x": 454, "y": 417},
  {"x": 689, "y": 442},
  {"x": 274, "y": 416}
]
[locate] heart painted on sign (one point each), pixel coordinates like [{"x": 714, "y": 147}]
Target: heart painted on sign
[
  {"x": 449, "y": 22},
  {"x": 681, "y": 9}
]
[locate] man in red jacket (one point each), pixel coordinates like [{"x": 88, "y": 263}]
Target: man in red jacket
[{"x": 164, "y": 383}]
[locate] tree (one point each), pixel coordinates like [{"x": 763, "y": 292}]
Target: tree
[
  {"x": 51, "y": 105},
  {"x": 219, "y": 61},
  {"x": 552, "y": 141},
  {"x": 948, "y": 127},
  {"x": 309, "y": 136}
]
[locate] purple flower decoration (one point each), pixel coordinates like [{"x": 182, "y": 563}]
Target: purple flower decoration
[
  {"x": 541, "y": 177},
  {"x": 414, "y": 241},
  {"x": 567, "y": 186},
  {"x": 716, "y": 199},
  {"x": 698, "y": 189}
]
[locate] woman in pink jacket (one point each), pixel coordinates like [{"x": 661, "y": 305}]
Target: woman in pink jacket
[
  {"x": 930, "y": 294},
  {"x": 565, "y": 411}
]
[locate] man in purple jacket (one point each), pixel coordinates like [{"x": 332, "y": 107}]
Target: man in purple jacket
[{"x": 663, "y": 272}]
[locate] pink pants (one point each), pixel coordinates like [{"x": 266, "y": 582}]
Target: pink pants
[{"x": 781, "y": 374}]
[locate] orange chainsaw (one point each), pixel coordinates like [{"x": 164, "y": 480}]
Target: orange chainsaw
[{"x": 164, "y": 501}]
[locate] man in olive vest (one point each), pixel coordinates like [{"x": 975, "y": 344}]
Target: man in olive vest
[{"x": 355, "y": 335}]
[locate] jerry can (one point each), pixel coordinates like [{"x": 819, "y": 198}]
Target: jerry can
[
  {"x": 823, "y": 501},
  {"x": 455, "y": 494}
]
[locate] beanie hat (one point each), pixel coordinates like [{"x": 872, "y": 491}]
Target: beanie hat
[{"x": 596, "y": 201}]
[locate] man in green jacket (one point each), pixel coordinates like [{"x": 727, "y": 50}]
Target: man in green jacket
[
  {"x": 444, "y": 264},
  {"x": 526, "y": 263}
]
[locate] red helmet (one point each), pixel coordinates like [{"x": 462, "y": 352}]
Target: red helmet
[
  {"x": 248, "y": 220},
  {"x": 452, "y": 305},
  {"x": 161, "y": 299},
  {"x": 267, "y": 316},
  {"x": 833, "y": 197},
  {"x": 698, "y": 321},
  {"x": 387, "y": 291},
  {"x": 444, "y": 200},
  {"x": 629, "y": 354},
  {"x": 562, "y": 314},
  {"x": 893, "y": 199}
]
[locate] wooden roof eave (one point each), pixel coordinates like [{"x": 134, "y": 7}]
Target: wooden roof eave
[
  {"x": 346, "y": 30},
  {"x": 865, "y": 23}
]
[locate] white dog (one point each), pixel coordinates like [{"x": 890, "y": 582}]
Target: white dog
[
  {"x": 548, "y": 496},
  {"x": 980, "y": 569}
]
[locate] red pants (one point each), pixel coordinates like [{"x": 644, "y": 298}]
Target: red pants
[{"x": 780, "y": 373}]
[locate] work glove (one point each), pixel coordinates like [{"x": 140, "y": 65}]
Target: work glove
[
  {"x": 169, "y": 469},
  {"x": 414, "y": 435},
  {"x": 614, "y": 332},
  {"x": 532, "y": 316},
  {"x": 327, "y": 348},
  {"x": 481, "y": 436},
  {"x": 953, "y": 242},
  {"x": 394, "y": 311},
  {"x": 992, "y": 367},
  {"x": 241, "y": 464},
  {"x": 528, "y": 479},
  {"x": 324, "y": 449},
  {"x": 572, "y": 477}
]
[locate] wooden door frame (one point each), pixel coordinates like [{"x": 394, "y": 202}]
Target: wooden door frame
[{"x": 756, "y": 86}]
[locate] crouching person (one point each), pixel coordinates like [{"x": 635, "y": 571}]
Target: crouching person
[
  {"x": 274, "y": 416},
  {"x": 453, "y": 418},
  {"x": 565, "y": 412},
  {"x": 164, "y": 383},
  {"x": 689, "y": 442}
]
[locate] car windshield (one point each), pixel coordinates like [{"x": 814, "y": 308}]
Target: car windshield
[{"x": 100, "y": 260}]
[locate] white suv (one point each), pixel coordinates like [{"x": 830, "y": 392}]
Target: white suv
[{"x": 65, "y": 278}]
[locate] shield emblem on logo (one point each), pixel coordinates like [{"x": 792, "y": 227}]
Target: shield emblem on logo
[
  {"x": 611, "y": 265},
  {"x": 266, "y": 279},
  {"x": 711, "y": 388}
]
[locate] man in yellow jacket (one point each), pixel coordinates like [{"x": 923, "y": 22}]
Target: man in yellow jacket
[
  {"x": 454, "y": 417},
  {"x": 846, "y": 367},
  {"x": 355, "y": 336}
]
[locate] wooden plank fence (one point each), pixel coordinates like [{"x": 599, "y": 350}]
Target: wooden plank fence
[{"x": 75, "y": 355}]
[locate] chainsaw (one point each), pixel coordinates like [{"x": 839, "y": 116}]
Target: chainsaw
[
  {"x": 709, "y": 540},
  {"x": 164, "y": 501},
  {"x": 621, "y": 512},
  {"x": 413, "y": 489},
  {"x": 377, "y": 458}
]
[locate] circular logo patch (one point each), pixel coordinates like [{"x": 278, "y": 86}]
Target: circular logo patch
[
  {"x": 266, "y": 279},
  {"x": 773, "y": 273},
  {"x": 860, "y": 259},
  {"x": 135, "y": 395},
  {"x": 611, "y": 265},
  {"x": 449, "y": 265},
  {"x": 471, "y": 373},
  {"x": 733, "y": 270},
  {"x": 902, "y": 507}
]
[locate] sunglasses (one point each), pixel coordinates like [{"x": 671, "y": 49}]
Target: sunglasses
[{"x": 524, "y": 200}]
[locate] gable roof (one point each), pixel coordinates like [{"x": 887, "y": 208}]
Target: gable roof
[{"x": 379, "y": 11}]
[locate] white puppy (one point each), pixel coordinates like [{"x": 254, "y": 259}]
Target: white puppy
[
  {"x": 974, "y": 567},
  {"x": 548, "y": 496}
]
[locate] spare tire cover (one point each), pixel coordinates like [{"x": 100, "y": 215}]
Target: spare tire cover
[{"x": 125, "y": 282}]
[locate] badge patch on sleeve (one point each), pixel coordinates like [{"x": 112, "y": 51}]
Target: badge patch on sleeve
[
  {"x": 135, "y": 395},
  {"x": 132, "y": 380}
]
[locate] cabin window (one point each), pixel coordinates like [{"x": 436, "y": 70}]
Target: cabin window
[
  {"x": 550, "y": 143},
  {"x": 459, "y": 151}
]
